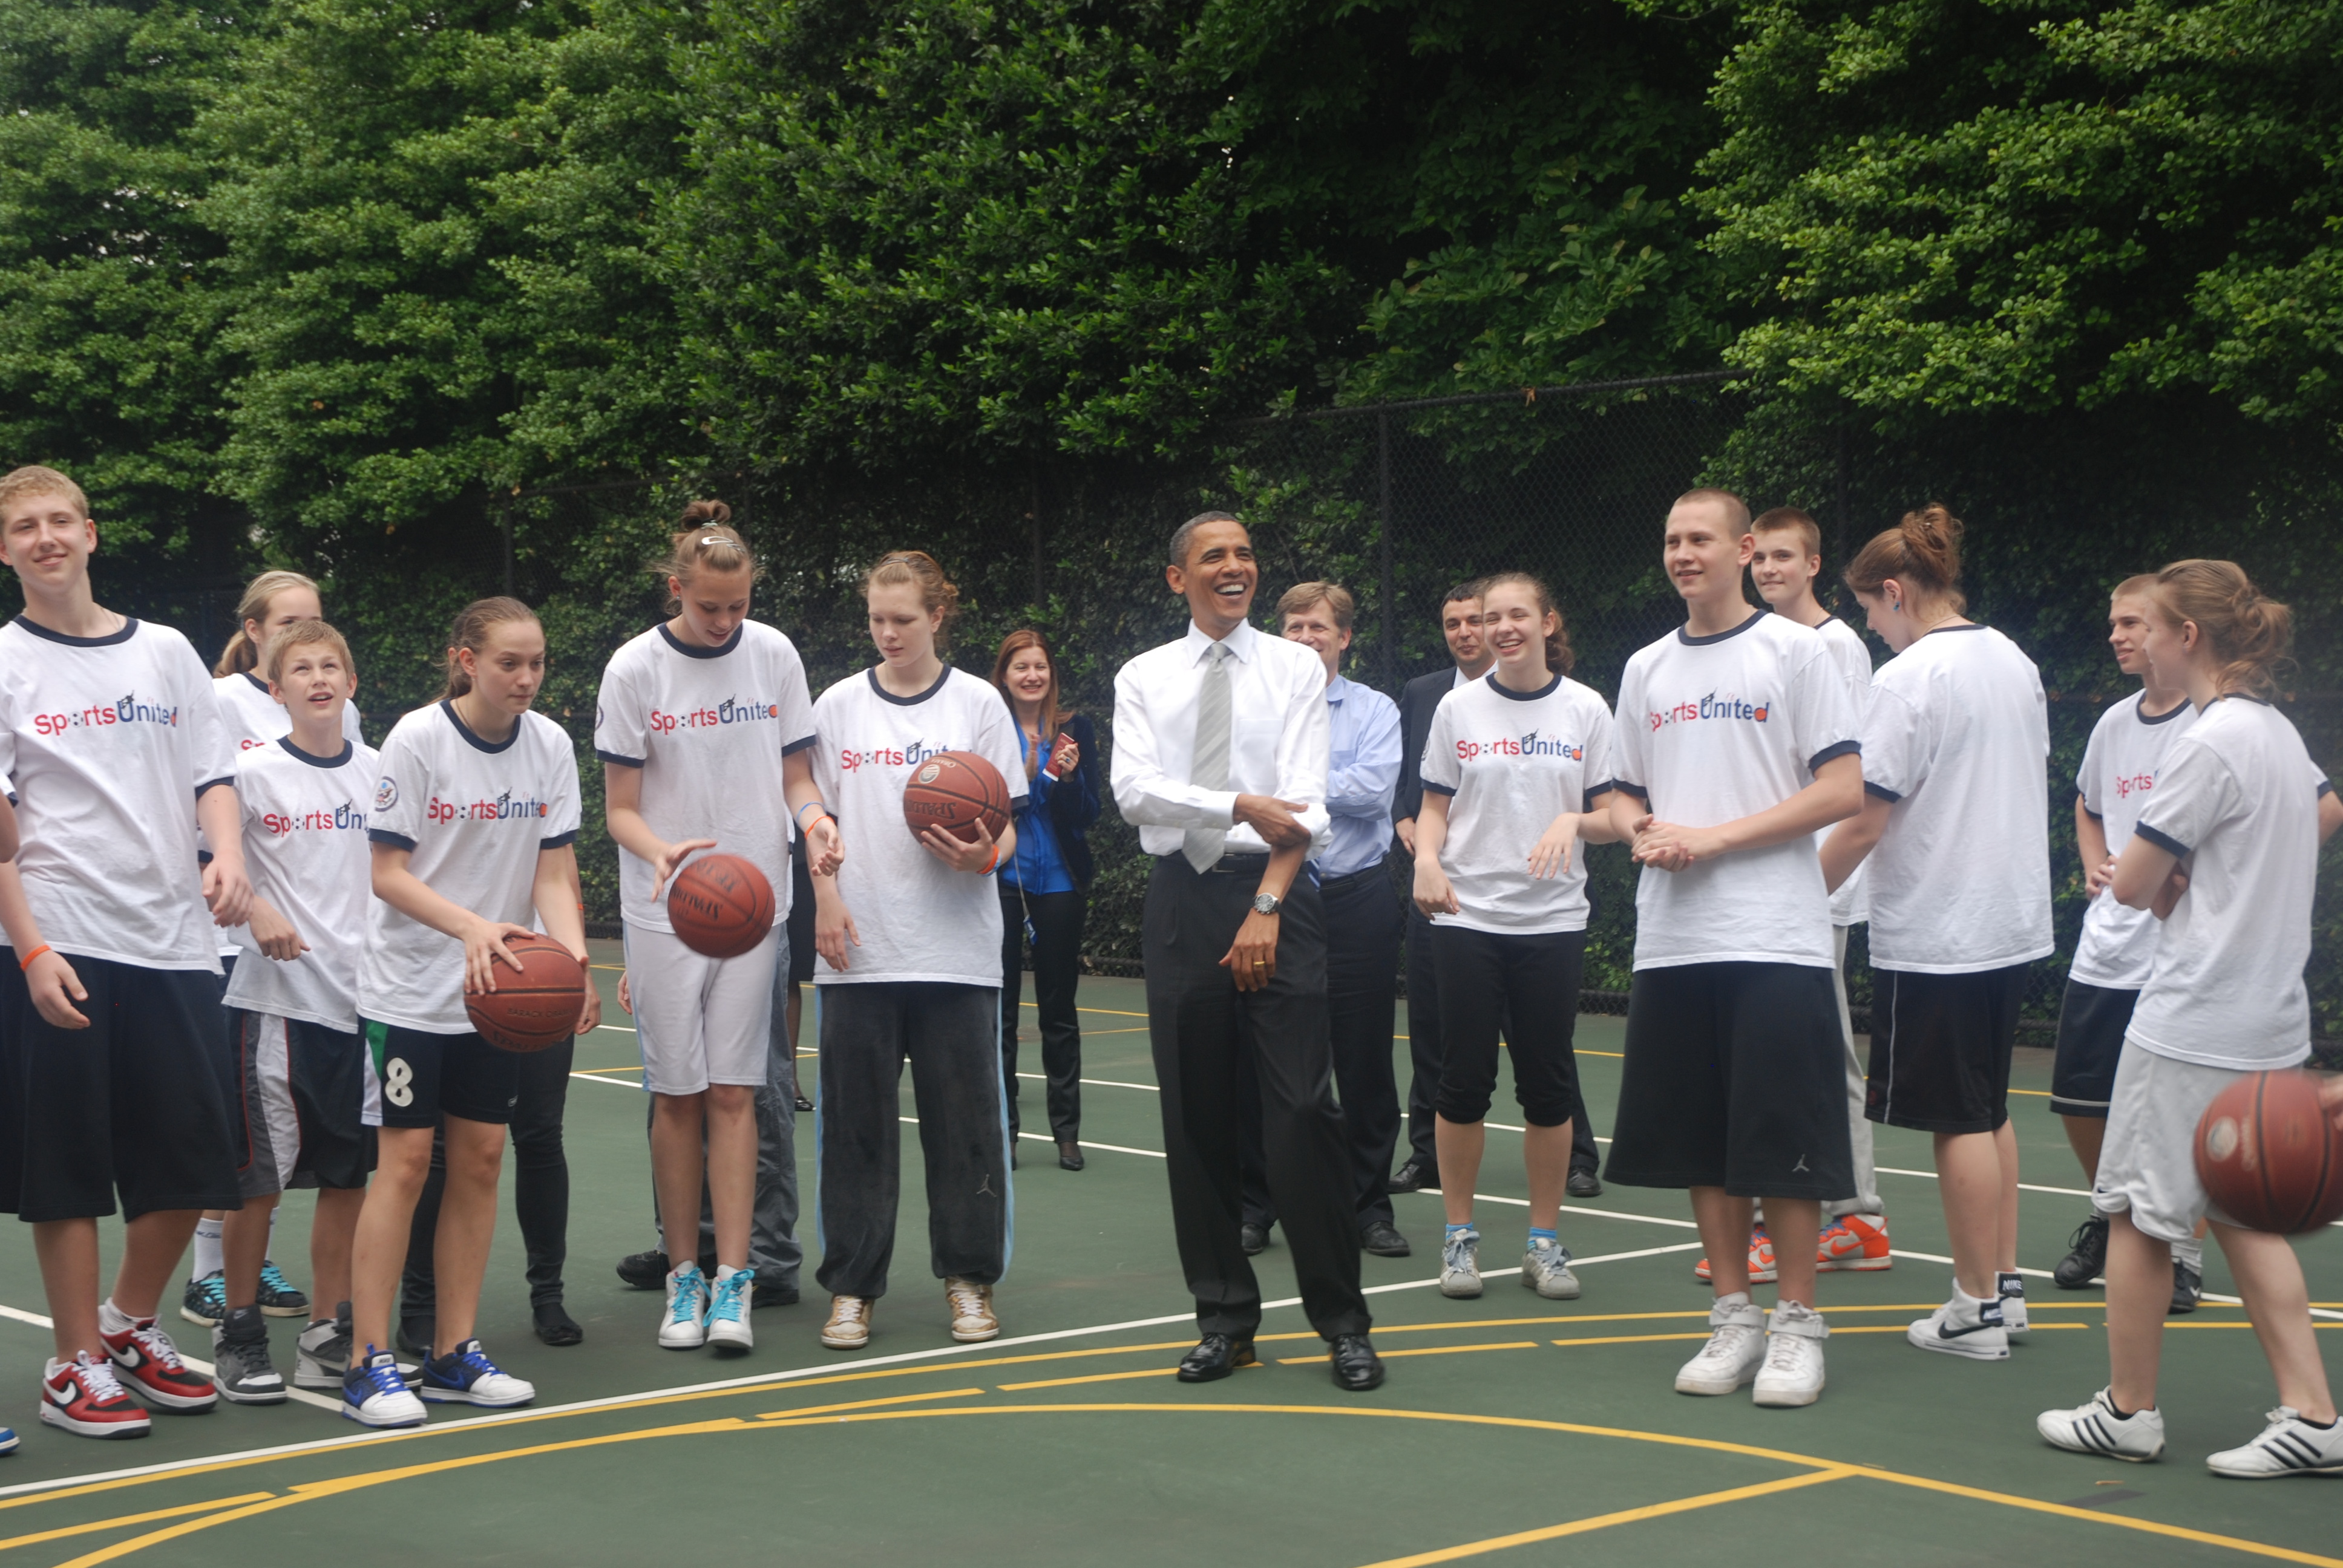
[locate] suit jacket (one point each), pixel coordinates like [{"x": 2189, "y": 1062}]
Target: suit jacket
[{"x": 1417, "y": 702}]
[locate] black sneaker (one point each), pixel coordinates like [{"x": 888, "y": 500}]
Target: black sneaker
[
  {"x": 2187, "y": 1290},
  {"x": 241, "y": 1369},
  {"x": 2087, "y": 1259},
  {"x": 277, "y": 1298},
  {"x": 415, "y": 1336},
  {"x": 644, "y": 1271},
  {"x": 205, "y": 1301},
  {"x": 773, "y": 1296}
]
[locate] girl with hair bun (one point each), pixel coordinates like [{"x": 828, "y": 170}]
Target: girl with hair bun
[
  {"x": 1955, "y": 821},
  {"x": 2225, "y": 854},
  {"x": 908, "y": 932},
  {"x": 705, "y": 729}
]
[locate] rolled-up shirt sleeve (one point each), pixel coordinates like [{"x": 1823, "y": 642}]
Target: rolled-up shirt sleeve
[{"x": 1304, "y": 750}]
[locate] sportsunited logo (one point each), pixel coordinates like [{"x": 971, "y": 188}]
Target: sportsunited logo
[
  {"x": 1531, "y": 744},
  {"x": 2137, "y": 783},
  {"x": 124, "y": 709},
  {"x": 849, "y": 759},
  {"x": 1710, "y": 707},
  {"x": 345, "y": 817},
  {"x": 731, "y": 710},
  {"x": 503, "y": 808}
]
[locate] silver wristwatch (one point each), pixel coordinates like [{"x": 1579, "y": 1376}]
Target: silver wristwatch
[{"x": 1267, "y": 903}]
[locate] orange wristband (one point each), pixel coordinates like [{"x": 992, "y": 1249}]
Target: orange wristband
[
  {"x": 26, "y": 962},
  {"x": 991, "y": 862}
]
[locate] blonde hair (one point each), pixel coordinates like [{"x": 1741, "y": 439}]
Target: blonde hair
[
  {"x": 34, "y": 481},
  {"x": 1923, "y": 552},
  {"x": 2249, "y": 634},
  {"x": 1737, "y": 510},
  {"x": 470, "y": 631},
  {"x": 920, "y": 568},
  {"x": 709, "y": 542},
  {"x": 1559, "y": 658},
  {"x": 242, "y": 655},
  {"x": 1335, "y": 596},
  {"x": 304, "y": 634},
  {"x": 2142, "y": 586}
]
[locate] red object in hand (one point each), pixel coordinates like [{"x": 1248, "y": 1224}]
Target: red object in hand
[{"x": 535, "y": 1006}]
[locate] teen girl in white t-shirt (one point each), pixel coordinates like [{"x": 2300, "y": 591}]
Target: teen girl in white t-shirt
[
  {"x": 909, "y": 934},
  {"x": 1956, "y": 825},
  {"x": 706, "y": 734},
  {"x": 1516, "y": 771},
  {"x": 2226, "y": 855},
  {"x": 472, "y": 829}
]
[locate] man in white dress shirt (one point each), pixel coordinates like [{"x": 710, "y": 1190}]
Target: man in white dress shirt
[{"x": 1221, "y": 757}]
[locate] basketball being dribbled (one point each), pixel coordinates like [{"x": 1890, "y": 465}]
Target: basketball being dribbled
[
  {"x": 955, "y": 790},
  {"x": 2269, "y": 1157},
  {"x": 721, "y": 905},
  {"x": 536, "y": 1007}
]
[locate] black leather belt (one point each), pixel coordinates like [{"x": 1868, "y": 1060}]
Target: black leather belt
[
  {"x": 1335, "y": 884},
  {"x": 1227, "y": 865}
]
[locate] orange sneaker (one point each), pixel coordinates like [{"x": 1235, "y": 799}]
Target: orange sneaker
[
  {"x": 1761, "y": 1270},
  {"x": 1855, "y": 1243}
]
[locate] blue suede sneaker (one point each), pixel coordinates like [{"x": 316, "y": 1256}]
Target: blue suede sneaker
[{"x": 466, "y": 1375}]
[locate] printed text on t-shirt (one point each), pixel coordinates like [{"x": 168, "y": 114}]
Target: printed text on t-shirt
[
  {"x": 344, "y": 818},
  {"x": 1531, "y": 744},
  {"x": 2127, "y": 786},
  {"x": 1710, "y": 707},
  {"x": 731, "y": 710},
  {"x": 849, "y": 759},
  {"x": 124, "y": 709},
  {"x": 503, "y": 808}
]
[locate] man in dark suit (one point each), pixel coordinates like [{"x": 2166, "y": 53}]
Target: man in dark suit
[{"x": 1459, "y": 625}]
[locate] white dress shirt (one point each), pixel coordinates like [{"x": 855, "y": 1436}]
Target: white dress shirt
[
  {"x": 1278, "y": 739},
  {"x": 1361, "y": 775}
]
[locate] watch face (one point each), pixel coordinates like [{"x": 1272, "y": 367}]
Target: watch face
[{"x": 1265, "y": 903}]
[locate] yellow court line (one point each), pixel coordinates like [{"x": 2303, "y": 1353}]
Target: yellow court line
[
  {"x": 1419, "y": 1350},
  {"x": 1628, "y": 1339},
  {"x": 1605, "y": 1520},
  {"x": 180, "y": 1512},
  {"x": 1102, "y": 1377},
  {"x": 871, "y": 1403},
  {"x": 1899, "y": 1328}
]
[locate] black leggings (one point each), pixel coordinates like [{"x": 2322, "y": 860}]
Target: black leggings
[
  {"x": 1057, "y": 970},
  {"x": 1526, "y": 985},
  {"x": 540, "y": 1187}
]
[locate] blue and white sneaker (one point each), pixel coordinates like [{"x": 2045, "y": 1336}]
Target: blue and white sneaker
[
  {"x": 684, "y": 1326},
  {"x": 466, "y": 1375},
  {"x": 374, "y": 1395},
  {"x": 727, "y": 1312},
  {"x": 1460, "y": 1263},
  {"x": 7, "y": 1439}
]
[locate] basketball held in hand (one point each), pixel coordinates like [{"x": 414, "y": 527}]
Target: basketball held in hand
[
  {"x": 955, "y": 790},
  {"x": 536, "y": 1006},
  {"x": 720, "y": 906},
  {"x": 2269, "y": 1157}
]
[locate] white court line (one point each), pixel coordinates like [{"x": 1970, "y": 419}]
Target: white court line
[
  {"x": 819, "y": 1368},
  {"x": 298, "y": 1395}
]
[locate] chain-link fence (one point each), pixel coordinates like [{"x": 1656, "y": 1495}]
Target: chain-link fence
[{"x": 1397, "y": 502}]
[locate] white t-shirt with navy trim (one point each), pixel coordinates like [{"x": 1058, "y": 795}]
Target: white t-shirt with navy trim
[
  {"x": 1851, "y": 656},
  {"x": 918, "y": 919},
  {"x": 2235, "y": 801},
  {"x": 2126, "y": 752},
  {"x": 475, "y": 816},
  {"x": 305, "y": 848},
  {"x": 708, "y": 727},
  {"x": 1512, "y": 762},
  {"x": 108, "y": 741},
  {"x": 1715, "y": 728},
  {"x": 1959, "y": 740}
]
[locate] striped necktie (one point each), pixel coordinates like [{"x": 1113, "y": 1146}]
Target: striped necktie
[{"x": 1209, "y": 766}]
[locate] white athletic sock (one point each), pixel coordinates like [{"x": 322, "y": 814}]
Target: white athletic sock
[
  {"x": 208, "y": 1257},
  {"x": 111, "y": 1319},
  {"x": 2191, "y": 1252}
]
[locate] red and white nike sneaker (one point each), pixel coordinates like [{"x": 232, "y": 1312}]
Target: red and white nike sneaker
[
  {"x": 85, "y": 1397},
  {"x": 148, "y": 1364}
]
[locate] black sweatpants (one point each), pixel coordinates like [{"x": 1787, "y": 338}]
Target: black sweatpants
[
  {"x": 948, "y": 1033},
  {"x": 1364, "y": 927},
  {"x": 1427, "y": 1052},
  {"x": 540, "y": 1187},
  {"x": 1057, "y": 971},
  {"x": 1526, "y": 985},
  {"x": 1200, "y": 1025}
]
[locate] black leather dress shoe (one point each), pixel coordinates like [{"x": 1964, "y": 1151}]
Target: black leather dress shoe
[
  {"x": 1069, "y": 1155},
  {"x": 1217, "y": 1355},
  {"x": 1254, "y": 1239},
  {"x": 1412, "y": 1177},
  {"x": 1584, "y": 1182},
  {"x": 554, "y": 1326},
  {"x": 1356, "y": 1365},
  {"x": 764, "y": 1295},
  {"x": 1383, "y": 1239}
]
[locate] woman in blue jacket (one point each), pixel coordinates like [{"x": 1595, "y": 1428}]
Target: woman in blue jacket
[{"x": 1044, "y": 890}]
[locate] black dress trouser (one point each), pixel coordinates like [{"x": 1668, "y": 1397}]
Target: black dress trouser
[
  {"x": 1428, "y": 1056},
  {"x": 1057, "y": 971},
  {"x": 1365, "y": 925},
  {"x": 540, "y": 1187},
  {"x": 1200, "y": 1026}
]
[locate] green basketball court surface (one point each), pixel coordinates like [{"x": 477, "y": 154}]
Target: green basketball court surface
[{"x": 1512, "y": 1430}]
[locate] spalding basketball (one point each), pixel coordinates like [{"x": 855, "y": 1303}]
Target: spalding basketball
[
  {"x": 721, "y": 905},
  {"x": 2269, "y": 1157},
  {"x": 537, "y": 1006},
  {"x": 955, "y": 790}
]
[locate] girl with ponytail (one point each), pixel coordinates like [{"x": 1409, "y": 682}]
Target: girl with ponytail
[{"x": 2225, "y": 853}]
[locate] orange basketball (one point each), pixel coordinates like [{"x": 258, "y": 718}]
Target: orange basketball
[
  {"x": 721, "y": 905},
  {"x": 536, "y": 1007},
  {"x": 955, "y": 790},
  {"x": 2269, "y": 1157}
]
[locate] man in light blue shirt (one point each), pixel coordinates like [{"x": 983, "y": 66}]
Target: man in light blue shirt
[{"x": 1364, "y": 920}]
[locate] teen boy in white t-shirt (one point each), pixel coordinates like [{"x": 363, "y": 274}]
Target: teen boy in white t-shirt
[
  {"x": 1737, "y": 740},
  {"x": 110, "y": 1024}
]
